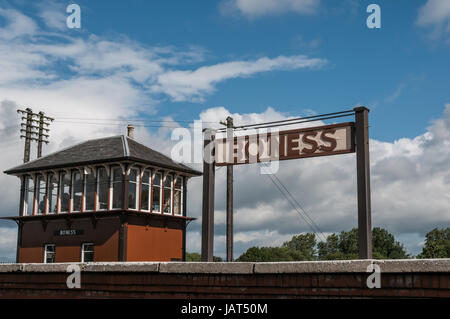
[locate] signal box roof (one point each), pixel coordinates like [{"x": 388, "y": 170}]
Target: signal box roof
[{"x": 103, "y": 150}]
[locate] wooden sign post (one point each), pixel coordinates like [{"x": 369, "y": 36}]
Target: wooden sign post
[
  {"x": 316, "y": 141},
  {"x": 363, "y": 182},
  {"x": 208, "y": 197}
]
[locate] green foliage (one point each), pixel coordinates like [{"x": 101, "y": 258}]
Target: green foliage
[
  {"x": 261, "y": 254},
  {"x": 198, "y": 257},
  {"x": 304, "y": 244},
  {"x": 332, "y": 249},
  {"x": 337, "y": 247},
  {"x": 437, "y": 244},
  {"x": 345, "y": 246},
  {"x": 385, "y": 246},
  {"x": 348, "y": 242},
  {"x": 193, "y": 257}
]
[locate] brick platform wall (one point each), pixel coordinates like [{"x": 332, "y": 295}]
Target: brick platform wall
[{"x": 335, "y": 279}]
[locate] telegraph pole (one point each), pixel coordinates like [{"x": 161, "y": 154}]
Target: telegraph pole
[
  {"x": 208, "y": 196},
  {"x": 41, "y": 136},
  {"x": 31, "y": 132},
  {"x": 28, "y": 132},
  {"x": 363, "y": 182},
  {"x": 230, "y": 138}
]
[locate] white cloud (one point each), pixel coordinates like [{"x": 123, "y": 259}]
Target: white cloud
[
  {"x": 410, "y": 190},
  {"x": 436, "y": 15},
  {"x": 396, "y": 94},
  {"x": 258, "y": 8},
  {"x": 15, "y": 24},
  {"x": 53, "y": 14},
  {"x": 434, "y": 11},
  {"x": 87, "y": 76},
  {"x": 186, "y": 85},
  {"x": 46, "y": 60},
  {"x": 117, "y": 78}
]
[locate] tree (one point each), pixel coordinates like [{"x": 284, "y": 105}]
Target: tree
[
  {"x": 437, "y": 244},
  {"x": 330, "y": 249},
  {"x": 198, "y": 257},
  {"x": 267, "y": 254},
  {"x": 193, "y": 257},
  {"x": 385, "y": 246},
  {"x": 345, "y": 246},
  {"x": 348, "y": 244},
  {"x": 336, "y": 247},
  {"x": 305, "y": 244}
]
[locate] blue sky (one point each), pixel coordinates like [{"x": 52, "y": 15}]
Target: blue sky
[
  {"x": 397, "y": 71},
  {"x": 257, "y": 60}
]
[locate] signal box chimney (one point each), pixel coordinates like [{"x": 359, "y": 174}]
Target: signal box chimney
[{"x": 130, "y": 129}]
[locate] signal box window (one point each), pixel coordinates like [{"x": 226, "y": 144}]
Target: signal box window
[
  {"x": 77, "y": 191},
  {"x": 133, "y": 195},
  {"x": 168, "y": 195},
  {"x": 49, "y": 254},
  {"x": 52, "y": 193},
  {"x": 29, "y": 196},
  {"x": 64, "y": 192},
  {"x": 89, "y": 191},
  {"x": 87, "y": 252},
  {"x": 40, "y": 196},
  {"x": 145, "y": 191},
  {"x": 117, "y": 188},
  {"x": 178, "y": 196},
  {"x": 156, "y": 202},
  {"x": 103, "y": 188}
]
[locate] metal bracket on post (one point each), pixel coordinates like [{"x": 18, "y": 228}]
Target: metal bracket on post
[
  {"x": 230, "y": 138},
  {"x": 208, "y": 196},
  {"x": 363, "y": 182},
  {"x": 230, "y": 227}
]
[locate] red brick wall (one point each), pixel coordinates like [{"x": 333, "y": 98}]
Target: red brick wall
[{"x": 174, "y": 285}]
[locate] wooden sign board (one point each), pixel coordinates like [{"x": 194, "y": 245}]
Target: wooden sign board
[
  {"x": 68, "y": 232},
  {"x": 291, "y": 144}
]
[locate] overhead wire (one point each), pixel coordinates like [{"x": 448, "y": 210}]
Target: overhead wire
[
  {"x": 292, "y": 201},
  {"x": 100, "y": 122},
  {"x": 299, "y": 120},
  {"x": 301, "y": 207},
  {"x": 131, "y": 120},
  {"x": 122, "y": 121},
  {"x": 290, "y": 123},
  {"x": 120, "y": 124}
]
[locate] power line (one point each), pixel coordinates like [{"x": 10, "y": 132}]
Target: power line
[
  {"x": 299, "y": 120},
  {"x": 121, "y": 124},
  {"x": 299, "y": 205},
  {"x": 293, "y": 206},
  {"x": 292, "y": 201},
  {"x": 132, "y": 120}
]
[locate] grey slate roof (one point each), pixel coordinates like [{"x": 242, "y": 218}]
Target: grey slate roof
[{"x": 103, "y": 150}]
